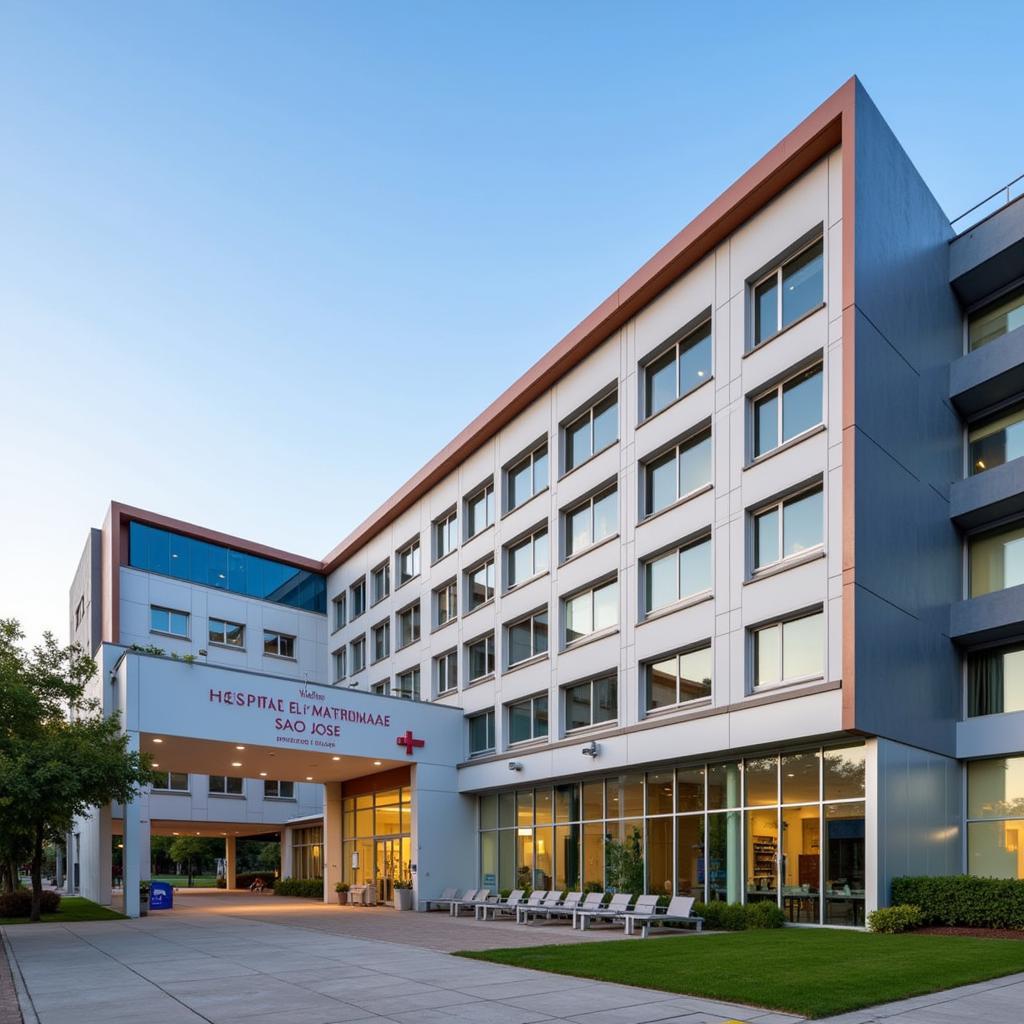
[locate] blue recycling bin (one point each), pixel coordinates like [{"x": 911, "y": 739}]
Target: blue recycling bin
[{"x": 161, "y": 896}]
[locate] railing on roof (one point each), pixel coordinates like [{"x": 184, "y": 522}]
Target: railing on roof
[{"x": 990, "y": 204}]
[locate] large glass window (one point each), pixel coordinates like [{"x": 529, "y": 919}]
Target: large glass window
[
  {"x": 278, "y": 645},
  {"x": 447, "y": 672},
  {"x": 591, "y": 703},
  {"x": 339, "y": 611},
  {"x": 995, "y": 441},
  {"x": 172, "y": 782},
  {"x": 212, "y": 565},
  {"x": 226, "y": 634},
  {"x": 380, "y": 583},
  {"x": 526, "y": 558},
  {"x": 591, "y": 432},
  {"x": 481, "y": 733},
  {"x": 407, "y": 684},
  {"x": 528, "y": 719},
  {"x": 480, "y": 654},
  {"x": 995, "y": 802},
  {"x": 788, "y": 528},
  {"x": 226, "y": 785},
  {"x": 527, "y": 638},
  {"x": 166, "y": 620},
  {"x": 789, "y": 291},
  {"x": 680, "y": 471},
  {"x": 358, "y": 651},
  {"x": 278, "y": 789},
  {"x": 479, "y": 510},
  {"x": 787, "y": 410},
  {"x": 480, "y": 588},
  {"x": 408, "y": 562},
  {"x": 1000, "y": 317},
  {"x": 676, "y": 575},
  {"x": 357, "y": 592},
  {"x": 679, "y": 678},
  {"x": 381, "y": 641},
  {"x": 591, "y": 611},
  {"x": 307, "y": 852},
  {"x": 997, "y": 560},
  {"x": 408, "y": 620},
  {"x": 446, "y": 534},
  {"x": 790, "y": 651},
  {"x": 527, "y": 477},
  {"x": 446, "y": 603},
  {"x": 995, "y": 681},
  {"x": 591, "y": 521},
  {"x": 674, "y": 373},
  {"x": 340, "y": 664}
]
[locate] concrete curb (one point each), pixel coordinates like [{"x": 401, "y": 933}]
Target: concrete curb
[{"x": 28, "y": 1010}]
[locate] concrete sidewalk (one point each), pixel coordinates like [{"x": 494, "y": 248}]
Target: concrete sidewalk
[{"x": 238, "y": 967}]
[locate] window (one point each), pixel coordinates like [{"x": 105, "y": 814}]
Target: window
[
  {"x": 528, "y": 719},
  {"x": 788, "y": 528},
  {"x": 407, "y": 685},
  {"x": 381, "y": 636},
  {"x": 446, "y": 603},
  {"x": 479, "y": 510},
  {"x": 229, "y": 634},
  {"x": 447, "y": 672},
  {"x": 279, "y": 645},
  {"x": 527, "y": 477},
  {"x": 683, "y": 469},
  {"x": 358, "y": 594},
  {"x": 166, "y": 620},
  {"x": 340, "y": 666},
  {"x": 358, "y": 649},
  {"x": 591, "y": 611},
  {"x": 676, "y": 575},
  {"x": 527, "y": 638},
  {"x": 591, "y": 521},
  {"x": 996, "y": 319},
  {"x": 408, "y": 625},
  {"x": 995, "y": 441},
  {"x": 446, "y": 535},
  {"x": 339, "y": 611},
  {"x": 380, "y": 583},
  {"x": 408, "y": 562},
  {"x": 995, "y": 799},
  {"x": 480, "y": 588},
  {"x": 480, "y": 655},
  {"x": 226, "y": 785},
  {"x": 678, "y": 678},
  {"x": 172, "y": 782},
  {"x": 79, "y": 612},
  {"x": 790, "y": 651},
  {"x": 685, "y": 366},
  {"x": 276, "y": 789},
  {"x": 995, "y": 681},
  {"x": 591, "y": 703},
  {"x": 787, "y": 410},
  {"x": 997, "y": 560},
  {"x": 592, "y": 432},
  {"x": 789, "y": 291},
  {"x": 481, "y": 733},
  {"x": 525, "y": 558},
  {"x": 382, "y": 689}
]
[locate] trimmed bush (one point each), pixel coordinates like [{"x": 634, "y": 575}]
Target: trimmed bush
[
  {"x": 244, "y": 881},
  {"x": 308, "y": 888},
  {"x": 738, "y": 917},
  {"x": 764, "y": 915},
  {"x": 963, "y": 901},
  {"x": 19, "y": 902},
  {"x": 892, "y": 920}
]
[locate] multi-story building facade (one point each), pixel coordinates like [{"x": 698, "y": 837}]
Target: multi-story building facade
[{"x": 733, "y": 575}]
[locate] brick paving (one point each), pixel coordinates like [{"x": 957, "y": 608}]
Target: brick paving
[{"x": 9, "y": 1012}]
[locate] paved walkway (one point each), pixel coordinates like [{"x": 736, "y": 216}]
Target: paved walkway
[{"x": 244, "y": 960}]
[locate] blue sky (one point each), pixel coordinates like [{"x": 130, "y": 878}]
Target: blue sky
[{"x": 259, "y": 261}]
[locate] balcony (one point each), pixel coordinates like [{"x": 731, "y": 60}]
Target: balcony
[
  {"x": 989, "y": 375},
  {"x": 989, "y": 496},
  {"x": 990, "y": 617}
]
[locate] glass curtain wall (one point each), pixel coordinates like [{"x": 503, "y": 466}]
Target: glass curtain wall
[
  {"x": 787, "y": 828},
  {"x": 375, "y": 839},
  {"x": 307, "y": 852}
]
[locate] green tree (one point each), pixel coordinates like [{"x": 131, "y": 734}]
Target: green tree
[
  {"x": 59, "y": 755},
  {"x": 188, "y": 849},
  {"x": 624, "y": 863}
]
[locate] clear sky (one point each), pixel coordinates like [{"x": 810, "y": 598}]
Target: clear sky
[{"x": 260, "y": 261}]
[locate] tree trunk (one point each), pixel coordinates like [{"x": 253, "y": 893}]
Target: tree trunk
[
  {"x": 9, "y": 876},
  {"x": 37, "y": 874}
]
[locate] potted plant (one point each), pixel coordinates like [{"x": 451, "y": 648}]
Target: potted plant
[
  {"x": 341, "y": 888},
  {"x": 143, "y": 899},
  {"x": 403, "y": 894}
]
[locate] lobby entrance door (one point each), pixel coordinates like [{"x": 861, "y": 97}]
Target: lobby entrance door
[{"x": 393, "y": 865}]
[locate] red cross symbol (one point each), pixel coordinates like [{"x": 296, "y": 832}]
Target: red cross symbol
[{"x": 408, "y": 742}]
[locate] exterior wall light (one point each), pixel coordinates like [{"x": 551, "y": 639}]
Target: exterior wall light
[
  {"x": 515, "y": 766},
  {"x": 591, "y": 750}
]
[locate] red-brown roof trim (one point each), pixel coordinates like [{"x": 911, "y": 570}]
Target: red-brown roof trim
[{"x": 814, "y": 137}]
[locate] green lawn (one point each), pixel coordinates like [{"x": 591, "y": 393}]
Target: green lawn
[
  {"x": 72, "y": 908},
  {"x": 812, "y": 972},
  {"x": 181, "y": 881}
]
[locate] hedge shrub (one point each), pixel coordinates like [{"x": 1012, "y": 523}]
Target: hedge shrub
[
  {"x": 19, "y": 902},
  {"x": 308, "y": 888},
  {"x": 738, "y": 917},
  {"x": 963, "y": 900},
  {"x": 764, "y": 915},
  {"x": 892, "y": 920}
]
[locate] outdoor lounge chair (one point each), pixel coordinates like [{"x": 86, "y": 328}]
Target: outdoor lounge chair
[
  {"x": 645, "y": 905},
  {"x": 618, "y": 906},
  {"x": 565, "y": 909},
  {"x": 444, "y": 901},
  {"x": 469, "y": 901},
  {"x": 677, "y": 912},
  {"x": 499, "y": 906},
  {"x": 552, "y": 899}
]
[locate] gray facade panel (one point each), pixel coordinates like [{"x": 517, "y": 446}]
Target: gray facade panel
[
  {"x": 990, "y": 255},
  {"x": 991, "y": 375}
]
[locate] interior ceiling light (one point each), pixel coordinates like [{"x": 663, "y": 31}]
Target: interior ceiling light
[
  {"x": 236, "y": 764},
  {"x": 239, "y": 748},
  {"x": 156, "y": 739},
  {"x": 155, "y": 765},
  {"x": 378, "y": 763},
  {"x": 309, "y": 778},
  {"x": 263, "y": 775},
  {"x": 335, "y": 758}
]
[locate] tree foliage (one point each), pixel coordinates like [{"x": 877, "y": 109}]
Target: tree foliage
[{"x": 59, "y": 755}]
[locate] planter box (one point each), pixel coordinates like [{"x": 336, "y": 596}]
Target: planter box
[
  {"x": 342, "y": 898},
  {"x": 403, "y": 899}
]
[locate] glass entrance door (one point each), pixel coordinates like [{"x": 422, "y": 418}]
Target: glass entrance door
[{"x": 392, "y": 862}]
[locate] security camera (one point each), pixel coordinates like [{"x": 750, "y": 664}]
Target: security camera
[
  {"x": 515, "y": 766},
  {"x": 591, "y": 750}
]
